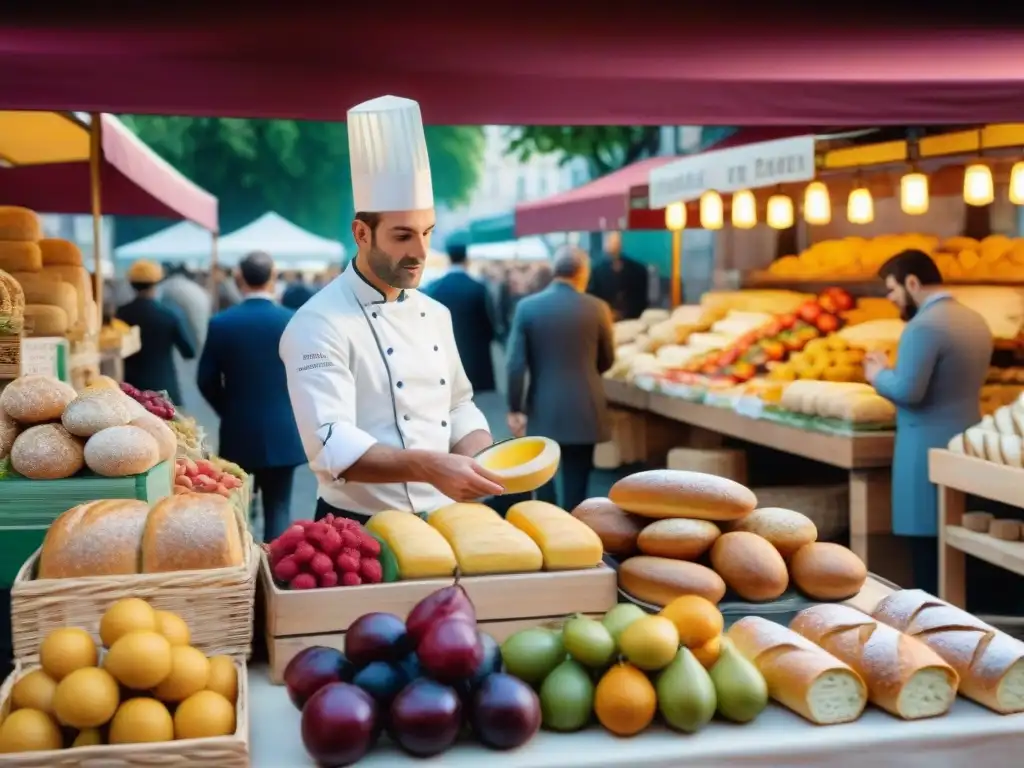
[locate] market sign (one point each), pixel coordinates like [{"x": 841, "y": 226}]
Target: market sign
[{"x": 729, "y": 170}]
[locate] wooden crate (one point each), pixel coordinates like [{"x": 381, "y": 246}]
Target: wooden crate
[
  {"x": 504, "y": 605},
  {"x": 10, "y": 356}
]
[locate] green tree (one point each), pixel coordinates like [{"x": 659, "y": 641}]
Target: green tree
[
  {"x": 300, "y": 169},
  {"x": 606, "y": 148}
]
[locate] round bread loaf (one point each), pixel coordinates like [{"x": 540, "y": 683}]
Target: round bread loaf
[
  {"x": 659, "y": 580},
  {"x": 9, "y": 430},
  {"x": 751, "y": 566},
  {"x": 35, "y": 399},
  {"x": 617, "y": 530},
  {"x": 46, "y": 452},
  {"x": 166, "y": 440},
  {"x": 92, "y": 411},
  {"x": 191, "y": 531},
  {"x": 99, "y": 538},
  {"x": 785, "y": 529},
  {"x": 678, "y": 538},
  {"x": 121, "y": 451},
  {"x": 824, "y": 571},
  {"x": 677, "y": 493}
]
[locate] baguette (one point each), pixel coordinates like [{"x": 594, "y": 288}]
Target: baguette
[
  {"x": 990, "y": 663},
  {"x": 800, "y": 675},
  {"x": 904, "y": 676}
]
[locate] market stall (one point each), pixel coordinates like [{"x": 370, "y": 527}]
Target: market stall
[
  {"x": 288, "y": 243},
  {"x": 72, "y": 163},
  {"x": 182, "y": 243}
]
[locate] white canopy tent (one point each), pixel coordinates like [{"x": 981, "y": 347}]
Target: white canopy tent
[
  {"x": 524, "y": 249},
  {"x": 291, "y": 246},
  {"x": 184, "y": 242}
]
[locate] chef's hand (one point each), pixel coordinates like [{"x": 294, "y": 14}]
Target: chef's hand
[
  {"x": 517, "y": 424},
  {"x": 874, "y": 363},
  {"x": 461, "y": 478}
]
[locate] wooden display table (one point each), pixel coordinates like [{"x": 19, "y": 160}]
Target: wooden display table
[
  {"x": 956, "y": 476},
  {"x": 867, "y": 458}
]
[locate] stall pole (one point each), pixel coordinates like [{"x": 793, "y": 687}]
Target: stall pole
[
  {"x": 95, "y": 189},
  {"x": 212, "y": 276},
  {"x": 677, "y": 267}
]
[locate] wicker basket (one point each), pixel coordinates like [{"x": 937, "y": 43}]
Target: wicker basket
[
  {"x": 828, "y": 506},
  {"x": 217, "y": 604},
  {"x": 219, "y": 752}
]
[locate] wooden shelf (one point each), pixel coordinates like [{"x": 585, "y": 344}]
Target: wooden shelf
[
  {"x": 625, "y": 394},
  {"x": 1008, "y": 555},
  {"x": 976, "y": 477}
]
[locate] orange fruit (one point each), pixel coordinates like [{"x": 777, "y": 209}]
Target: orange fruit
[
  {"x": 708, "y": 653},
  {"x": 625, "y": 700},
  {"x": 697, "y": 619}
]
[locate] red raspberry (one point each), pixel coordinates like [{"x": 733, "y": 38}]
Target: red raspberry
[
  {"x": 349, "y": 538},
  {"x": 329, "y": 579},
  {"x": 371, "y": 571},
  {"x": 350, "y": 580},
  {"x": 331, "y": 543},
  {"x": 321, "y": 564},
  {"x": 304, "y": 552},
  {"x": 347, "y": 563},
  {"x": 352, "y": 551},
  {"x": 369, "y": 546},
  {"x": 286, "y": 569},
  {"x": 316, "y": 532},
  {"x": 303, "y": 581},
  {"x": 278, "y": 551}
]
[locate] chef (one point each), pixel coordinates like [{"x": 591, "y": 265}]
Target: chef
[{"x": 382, "y": 402}]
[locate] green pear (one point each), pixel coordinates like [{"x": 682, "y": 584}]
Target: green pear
[
  {"x": 567, "y": 697},
  {"x": 588, "y": 641},
  {"x": 620, "y": 617},
  {"x": 742, "y": 691},
  {"x": 531, "y": 654},
  {"x": 686, "y": 695}
]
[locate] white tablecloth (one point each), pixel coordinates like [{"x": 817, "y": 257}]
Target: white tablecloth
[{"x": 968, "y": 736}]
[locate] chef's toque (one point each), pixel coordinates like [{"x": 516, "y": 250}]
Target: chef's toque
[{"x": 388, "y": 152}]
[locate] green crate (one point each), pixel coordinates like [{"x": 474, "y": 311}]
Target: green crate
[{"x": 27, "y": 507}]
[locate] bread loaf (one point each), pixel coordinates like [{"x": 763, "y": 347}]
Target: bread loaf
[
  {"x": 825, "y": 571},
  {"x": 46, "y": 452},
  {"x": 1005, "y": 530},
  {"x": 15, "y": 293},
  {"x": 617, "y": 530},
  {"x": 978, "y": 522},
  {"x": 121, "y": 451},
  {"x": 990, "y": 663},
  {"x": 82, "y": 283},
  {"x": 750, "y": 566},
  {"x": 58, "y": 252},
  {"x": 55, "y": 293},
  {"x": 44, "y": 320},
  {"x": 90, "y": 412},
  {"x": 166, "y": 440},
  {"x": 20, "y": 256},
  {"x": 784, "y": 529},
  {"x": 9, "y": 430},
  {"x": 659, "y": 580},
  {"x": 19, "y": 224},
  {"x": 678, "y": 538},
  {"x": 800, "y": 675},
  {"x": 903, "y": 675},
  {"x": 99, "y": 538},
  {"x": 676, "y": 493},
  {"x": 191, "y": 531},
  {"x": 34, "y": 398}
]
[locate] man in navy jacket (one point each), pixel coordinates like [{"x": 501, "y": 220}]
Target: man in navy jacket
[{"x": 243, "y": 379}]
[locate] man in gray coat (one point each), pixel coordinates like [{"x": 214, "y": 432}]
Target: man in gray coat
[
  {"x": 942, "y": 360},
  {"x": 562, "y": 338}
]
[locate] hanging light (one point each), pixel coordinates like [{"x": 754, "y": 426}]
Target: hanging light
[
  {"x": 817, "y": 204},
  {"x": 860, "y": 207},
  {"x": 712, "y": 214},
  {"x": 914, "y": 193},
  {"x": 744, "y": 210},
  {"x": 675, "y": 216},
  {"x": 780, "y": 212},
  {"x": 978, "y": 186},
  {"x": 1017, "y": 184}
]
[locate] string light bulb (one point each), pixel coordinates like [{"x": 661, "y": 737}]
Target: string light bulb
[
  {"x": 978, "y": 186},
  {"x": 780, "y": 212},
  {"x": 817, "y": 204},
  {"x": 675, "y": 216},
  {"x": 860, "y": 207},
  {"x": 744, "y": 210},
  {"x": 712, "y": 212},
  {"x": 914, "y": 194}
]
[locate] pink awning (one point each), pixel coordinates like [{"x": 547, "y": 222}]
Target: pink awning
[
  {"x": 651, "y": 64},
  {"x": 135, "y": 181},
  {"x": 602, "y": 204}
]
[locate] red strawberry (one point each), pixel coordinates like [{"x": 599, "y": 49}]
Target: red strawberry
[
  {"x": 331, "y": 543},
  {"x": 316, "y": 532},
  {"x": 303, "y": 581},
  {"x": 329, "y": 579},
  {"x": 349, "y": 538},
  {"x": 286, "y": 569},
  {"x": 350, "y": 579},
  {"x": 321, "y": 564},
  {"x": 369, "y": 546},
  {"x": 291, "y": 537},
  {"x": 371, "y": 571},
  {"x": 353, "y": 552},
  {"x": 279, "y": 550},
  {"x": 304, "y": 552},
  {"x": 347, "y": 563}
]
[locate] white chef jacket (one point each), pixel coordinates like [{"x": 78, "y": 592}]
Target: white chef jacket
[{"x": 363, "y": 371}]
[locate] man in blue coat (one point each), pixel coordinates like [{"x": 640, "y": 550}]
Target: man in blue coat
[
  {"x": 469, "y": 303},
  {"x": 243, "y": 379},
  {"x": 943, "y": 358}
]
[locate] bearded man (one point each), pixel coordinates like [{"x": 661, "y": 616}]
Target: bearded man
[
  {"x": 381, "y": 399},
  {"x": 941, "y": 364}
]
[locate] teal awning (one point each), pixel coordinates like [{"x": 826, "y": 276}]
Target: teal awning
[{"x": 493, "y": 229}]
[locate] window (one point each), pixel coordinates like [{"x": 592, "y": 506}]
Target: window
[
  {"x": 542, "y": 185},
  {"x": 521, "y": 188}
]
